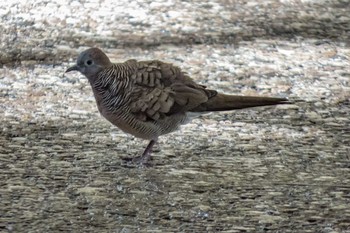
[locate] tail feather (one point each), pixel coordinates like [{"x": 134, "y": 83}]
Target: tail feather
[{"x": 222, "y": 102}]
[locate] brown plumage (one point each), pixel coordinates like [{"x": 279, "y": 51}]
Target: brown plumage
[{"x": 150, "y": 98}]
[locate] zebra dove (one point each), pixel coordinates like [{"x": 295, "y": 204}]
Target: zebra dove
[{"x": 151, "y": 98}]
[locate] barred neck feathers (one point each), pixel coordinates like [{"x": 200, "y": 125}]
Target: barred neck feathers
[{"x": 113, "y": 84}]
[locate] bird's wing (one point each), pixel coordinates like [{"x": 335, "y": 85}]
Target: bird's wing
[{"x": 162, "y": 89}]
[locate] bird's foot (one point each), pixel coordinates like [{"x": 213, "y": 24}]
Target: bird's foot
[
  {"x": 143, "y": 160},
  {"x": 139, "y": 161}
]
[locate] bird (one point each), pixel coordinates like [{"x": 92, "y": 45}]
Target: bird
[{"x": 152, "y": 98}]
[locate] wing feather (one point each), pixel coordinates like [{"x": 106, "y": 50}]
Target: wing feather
[{"x": 161, "y": 89}]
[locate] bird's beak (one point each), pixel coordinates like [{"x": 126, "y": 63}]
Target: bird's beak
[{"x": 73, "y": 68}]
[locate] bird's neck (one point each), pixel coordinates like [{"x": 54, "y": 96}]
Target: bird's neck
[{"x": 111, "y": 88}]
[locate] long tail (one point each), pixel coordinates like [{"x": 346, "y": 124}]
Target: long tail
[{"x": 222, "y": 102}]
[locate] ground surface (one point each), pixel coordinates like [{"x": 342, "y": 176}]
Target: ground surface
[{"x": 278, "y": 169}]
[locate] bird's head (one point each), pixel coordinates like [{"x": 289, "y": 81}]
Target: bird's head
[{"x": 90, "y": 62}]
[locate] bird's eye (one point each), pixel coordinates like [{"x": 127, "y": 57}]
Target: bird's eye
[{"x": 88, "y": 62}]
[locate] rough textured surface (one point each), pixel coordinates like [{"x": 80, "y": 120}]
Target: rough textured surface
[{"x": 284, "y": 169}]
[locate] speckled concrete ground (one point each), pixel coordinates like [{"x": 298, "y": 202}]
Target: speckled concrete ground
[{"x": 276, "y": 169}]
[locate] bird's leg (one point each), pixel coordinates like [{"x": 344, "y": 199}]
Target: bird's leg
[{"x": 146, "y": 155}]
